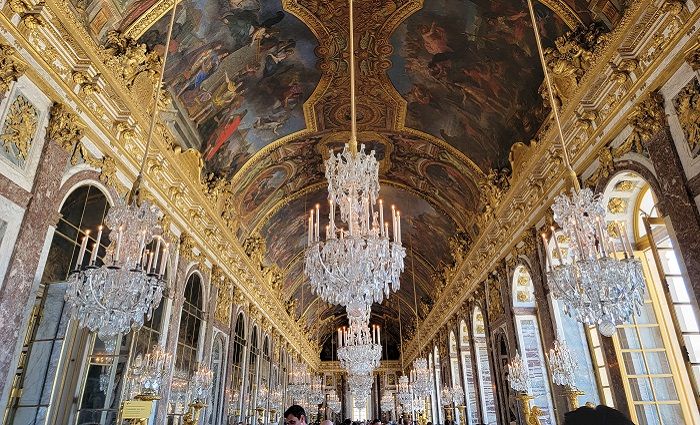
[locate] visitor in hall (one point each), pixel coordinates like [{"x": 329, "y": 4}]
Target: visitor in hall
[
  {"x": 600, "y": 415},
  {"x": 327, "y": 422},
  {"x": 295, "y": 415}
]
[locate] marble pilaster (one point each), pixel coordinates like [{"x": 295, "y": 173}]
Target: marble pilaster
[{"x": 22, "y": 278}]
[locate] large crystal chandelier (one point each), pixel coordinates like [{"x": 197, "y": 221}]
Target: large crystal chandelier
[
  {"x": 333, "y": 402},
  {"x": 596, "y": 286},
  {"x": 115, "y": 297},
  {"x": 421, "y": 381},
  {"x": 358, "y": 263},
  {"x": 387, "y": 402},
  {"x": 146, "y": 373},
  {"x": 316, "y": 395},
  {"x": 562, "y": 365},
  {"x": 359, "y": 348},
  {"x": 517, "y": 375},
  {"x": 111, "y": 299},
  {"x": 404, "y": 391},
  {"x": 299, "y": 379},
  {"x": 360, "y": 386}
]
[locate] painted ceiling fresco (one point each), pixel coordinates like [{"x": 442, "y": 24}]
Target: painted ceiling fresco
[
  {"x": 445, "y": 89},
  {"x": 469, "y": 71},
  {"x": 241, "y": 71}
]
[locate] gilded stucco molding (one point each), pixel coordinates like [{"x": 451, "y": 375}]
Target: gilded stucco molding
[
  {"x": 63, "y": 127},
  {"x": 11, "y": 67}
]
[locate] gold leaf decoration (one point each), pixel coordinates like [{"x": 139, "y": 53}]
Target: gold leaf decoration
[
  {"x": 11, "y": 68},
  {"x": 687, "y": 104},
  {"x": 617, "y": 205},
  {"x": 63, "y": 127},
  {"x": 624, "y": 186},
  {"x": 20, "y": 126}
]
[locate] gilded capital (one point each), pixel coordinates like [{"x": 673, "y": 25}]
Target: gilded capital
[
  {"x": 63, "y": 127},
  {"x": 11, "y": 67}
]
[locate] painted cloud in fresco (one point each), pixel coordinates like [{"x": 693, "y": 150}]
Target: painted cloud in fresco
[
  {"x": 241, "y": 70},
  {"x": 469, "y": 71}
]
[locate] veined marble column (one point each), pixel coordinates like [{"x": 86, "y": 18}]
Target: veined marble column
[{"x": 22, "y": 278}]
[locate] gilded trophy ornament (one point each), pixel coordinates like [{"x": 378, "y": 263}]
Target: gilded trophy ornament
[
  {"x": 63, "y": 127},
  {"x": 20, "y": 127},
  {"x": 130, "y": 59},
  {"x": 88, "y": 85},
  {"x": 687, "y": 104},
  {"x": 11, "y": 67},
  {"x": 647, "y": 119}
]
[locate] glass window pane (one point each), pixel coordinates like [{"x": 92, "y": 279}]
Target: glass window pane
[
  {"x": 641, "y": 389},
  {"x": 677, "y": 289},
  {"x": 634, "y": 363},
  {"x": 692, "y": 344},
  {"x": 628, "y": 338},
  {"x": 671, "y": 413},
  {"x": 657, "y": 362},
  {"x": 647, "y": 415},
  {"x": 686, "y": 318},
  {"x": 665, "y": 389},
  {"x": 647, "y": 316},
  {"x": 651, "y": 337}
]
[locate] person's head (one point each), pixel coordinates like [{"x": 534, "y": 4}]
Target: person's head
[
  {"x": 295, "y": 415},
  {"x": 347, "y": 421},
  {"x": 586, "y": 415},
  {"x": 376, "y": 422},
  {"x": 327, "y": 422}
]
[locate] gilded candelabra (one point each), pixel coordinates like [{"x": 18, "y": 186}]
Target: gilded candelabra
[
  {"x": 192, "y": 415},
  {"x": 563, "y": 367},
  {"x": 520, "y": 382}
]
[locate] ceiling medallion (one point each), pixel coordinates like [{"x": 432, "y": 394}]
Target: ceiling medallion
[{"x": 596, "y": 285}]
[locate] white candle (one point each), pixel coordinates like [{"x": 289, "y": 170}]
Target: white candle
[
  {"x": 144, "y": 258},
  {"x": 142, "y": 244},
  {"x": 601, "y": 239},
  {"x": 549, "y": 254},
  {"x": 311, "y": 220},
  {"x": 318, "y": 220},
  {"x": 150, "y": 262},
  {"x": 83, "y": 246},
  {"x": 332, "y": 217},
  {"x": 622, "y": 241},
  {"x": 93, "y": 257},
  {"x": 379, "y": 334},
  {"x": 339, "y": 338},
  {"x": 397, "y": 239},
  {"x": 164, "y": 261},
  {"x": 381, "y": 217},
  {"x": 556, "y": 246},
  {"x": 626, "y": 238},
  {"x": 393, "y": 221},
  {"x": 155, "y": 264},
  {"x": 119, "y": 245},
  {"x": 367, "y": 215},
  {"x": 386, "y": 229}
]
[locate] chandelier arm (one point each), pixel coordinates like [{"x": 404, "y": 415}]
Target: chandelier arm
[
  {"x": 353, "y": 111},
  {"x": 158, "y": 86},
  {"x": 550, "y": 92},
  {"x": 94, "y": 295}
]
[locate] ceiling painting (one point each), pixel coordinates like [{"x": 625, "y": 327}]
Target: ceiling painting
[
  {"x": 240, "y": 73},
  {"x": 470, "y": 73}
]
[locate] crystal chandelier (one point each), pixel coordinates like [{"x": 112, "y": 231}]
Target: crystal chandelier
[
  {"x": 262, "y": 398},
  {"x": 596, "y": 287},
  {"x": 359, "y": 348},
  {"x": 562, "y": 365},
  {"x": 333, "y": 402},
  {"x": 360, "y": 386},
  {"x": 316, "y": 395},
  {"x": 358, "y": 264},
  {"x": 275, "y": 399},
  {"x": 446, "y": 395},
  {"x": 113, "y": 299},
  {"x": 518, "y": 375},
  {"x": 457, "y": 395},
  {"x": 201, "y": 384},
  {"x": 299, "y": 378},
  {"x": 404, "y": 391},
  {"x": 421, "y": 381},
  {"x": 147, "y": 373},
  {"x": 387, "y": 402}
]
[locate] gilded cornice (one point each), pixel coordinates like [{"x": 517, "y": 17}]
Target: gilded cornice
[
  {"x": 534, "y": 188},
  {"x": 59, "y": 48},
  {"x": 384, "y": 367}
]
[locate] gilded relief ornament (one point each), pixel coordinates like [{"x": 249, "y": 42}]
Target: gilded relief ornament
[
  {"x": 624, "y": 186},
  {"x": 274, "y": 277},
  {"x": 63, "y": 127},
  {"x": 11, "y": 67},
  {"x": 20, "y": 126},
  {"x": 687, "y": 104},
  {"x": 254, "y": 247},
  {"x": 622, "y": 71},
  {"x": 606, "y": 166},
  {"x": 492, "y": 189},
  {"x": 693, "y": 57},
  {"x": 130, "y": 59},
  {"x": 647, "y": 119},
  {"x": 460, "y": 243},
  {"x": 495, "y": 304},
  {"x": 29, "y": 14},
  {"x": 187, "y": 245},
  {"x": 87, "y": 84},
  {"x": 617, "y": 205},
  {"x": 222, "y": 311}
]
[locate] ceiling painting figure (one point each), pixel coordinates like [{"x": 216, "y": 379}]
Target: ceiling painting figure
[
  {"x": 469, "y": 72},
  {"x": 240, "y": 72}
]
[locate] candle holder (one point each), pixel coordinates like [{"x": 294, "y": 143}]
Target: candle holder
[
  {"x": 193, "y": 413},
  {"x": 260, "y": 415},
  {"x": 463, "y": 413}
]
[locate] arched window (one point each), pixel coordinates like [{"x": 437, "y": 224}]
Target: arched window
[
  {"x": 265, "y": 363},
  {"x": 238, "y": 348},
  {"x": 217, "y": 367},
  {"x": 657, "y": 379},
  {"x": 252, "y": 370},
  {"x": 488, "y": 401},
  {"x": 455, "y": 377},
  {"x": 190, "y": 324},
  {"x": 465, "y": 351},
  {"x": 527, "y": 329},
  {"x": 432, "y": 404}
]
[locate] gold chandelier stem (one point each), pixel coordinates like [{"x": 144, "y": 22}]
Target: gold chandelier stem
[
  {"x": 353, "y": 111},
  {"x": 154, "y": 116},
  {"x": 550, "y": 92}
]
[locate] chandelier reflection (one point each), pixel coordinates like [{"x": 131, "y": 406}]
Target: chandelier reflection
[{"x": 358, "y": 263}]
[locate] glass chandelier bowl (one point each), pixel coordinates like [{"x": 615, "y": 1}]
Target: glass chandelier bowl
[
  {"x": 276, "y": 399},
  {"x": 446, "y": 396},
  {"x": 263, "y": 397},
  {"x": 387, "y": 402},
  {"x": 119, "y": 295},
  {"x": 597, "y": 288},
  {"x": 404, "y": 391},
  {"x": 421, "y": 382},
  {"x": 360, "y": 386},
  {"x": 360, "y": 350},
  {"x": 201, "y": 384},
  {"x": 517, "y": 375},
  {"x": 333, "y": 402},
  {"x": 148, "y": 372},
  {"x": 562, "y": 365}
]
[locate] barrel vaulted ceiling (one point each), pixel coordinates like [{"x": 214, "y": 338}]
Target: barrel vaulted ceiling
[{"x": 445, "y": 88}]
